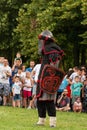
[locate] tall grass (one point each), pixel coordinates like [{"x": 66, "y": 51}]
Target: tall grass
[{"x": 24, "y": 119}]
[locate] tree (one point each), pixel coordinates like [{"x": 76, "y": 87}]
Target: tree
[
  {"x": 8, "y": 14},
  {"x": 28, "y": 28},
  {"x": 84, "y": 35},
  {"x": 62, "y": 17}
]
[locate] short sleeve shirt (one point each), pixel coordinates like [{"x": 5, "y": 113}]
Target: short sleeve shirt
[{"x": 76, "y": 89}]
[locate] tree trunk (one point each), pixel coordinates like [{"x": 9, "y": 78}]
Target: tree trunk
[
  {"x": 83, "y": 54},
  {"x": 76, "y": 54}
]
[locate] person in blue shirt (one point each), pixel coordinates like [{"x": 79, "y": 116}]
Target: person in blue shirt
[{"x": 32, "y": 64}]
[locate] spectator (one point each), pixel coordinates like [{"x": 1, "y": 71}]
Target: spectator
[
  {"x": 21, "y": 74},
  {"x": 16, "y": 90},
  {"x": 65, "y": 85},
  {"x": 84, "y": 95},
  {"x": 17, "y": 64},
  {"x": 27, "y": 93},
  {"x": 77, "y": 105},
  {"x": 32, "y": 64},
  {"x": 18, "y": 56},
  {"x": 5, "y": 73},
  {"x": 76, "y": 89},
  {"x": 65, "y": 82},
  {"x": 1, "y": 87},
  {"x": 83, "y": 74},
  {"x": 63, "y": 102},
  {"x": 23, "y": 70},
  {"x": 1, "y": 61},
  {"x": 35, "y": 74},
  {"x": 77, "y": 72}
]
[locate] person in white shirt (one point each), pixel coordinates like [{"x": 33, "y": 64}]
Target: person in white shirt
[
  {"x": 76, "y": 72},
  {"x": 27, "y": 90},
  {"x": 36, "y": 71},
  {"x": 16, "y": 90},
  {"x": 34, "y": 74},
  {"x": 21, "y": 74},
  {"x": 5, "y": 73},
  {"x": 1, "y": 61}
]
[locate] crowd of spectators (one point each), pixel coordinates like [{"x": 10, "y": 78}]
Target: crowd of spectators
[
  {"x": 73, "y": 90},
  {"x": 18, "y": 86}
]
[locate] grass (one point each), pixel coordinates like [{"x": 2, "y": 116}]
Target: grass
[{"x": 24, "y": 119}]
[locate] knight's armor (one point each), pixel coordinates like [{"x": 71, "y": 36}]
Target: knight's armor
[{"x": 50, "y": 75}]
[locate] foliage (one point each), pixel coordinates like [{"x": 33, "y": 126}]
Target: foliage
[
  {"x": 84, "y": 22},
  {"x": 63, "y": 18},
  {"x": 8, "y": 13},
  {"x": 22, "y": 20},
  {"x": 28, "y": 28}
]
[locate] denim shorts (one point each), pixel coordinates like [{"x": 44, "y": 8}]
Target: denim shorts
[{"x": 17, "y": 97}]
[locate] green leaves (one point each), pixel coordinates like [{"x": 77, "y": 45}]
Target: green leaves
[{"x": 22, "y": 21}]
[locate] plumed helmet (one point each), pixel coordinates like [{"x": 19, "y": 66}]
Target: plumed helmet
[{"x": 45, "y": 35}]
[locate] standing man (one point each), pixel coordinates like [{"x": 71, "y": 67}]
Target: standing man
[
  {"x": 32, "y": 64},
  {"x": 5, "y": 73},
  {"x": 49, "y": 77}
]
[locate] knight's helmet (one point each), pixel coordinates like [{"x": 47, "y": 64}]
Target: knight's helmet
[{"x": 44, "y": 36}]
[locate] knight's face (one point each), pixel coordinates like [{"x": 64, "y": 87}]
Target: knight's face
[{"x": 40, "y": 46}]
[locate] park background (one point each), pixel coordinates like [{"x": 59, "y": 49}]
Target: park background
[{"x": 21, "y": 21}]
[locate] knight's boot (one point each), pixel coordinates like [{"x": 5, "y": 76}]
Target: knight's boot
[
  {"x": 41, "y": 121},
  {"x": 52, "y": 121}
]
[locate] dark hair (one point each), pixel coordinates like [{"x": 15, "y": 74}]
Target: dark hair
[
  {"x": 69, "y": 73},
  {"x": 77, "y": 76},
  {"x": 20, "y": 67},
  {"x": 77, "y": 98}
]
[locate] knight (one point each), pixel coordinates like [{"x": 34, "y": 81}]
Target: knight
[{"x": 50, "y": 77}]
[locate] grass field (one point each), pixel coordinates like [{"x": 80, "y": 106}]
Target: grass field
[{"x": 24, "y": 119}]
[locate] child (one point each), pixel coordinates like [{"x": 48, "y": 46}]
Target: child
[
  {"x": 77, "y": 106},
  {"x": 27, "y": 90},
  {"x": 76, "y": 89},
  {"x": 18, "y": 56},
  {"x": 16, "y": 90}
]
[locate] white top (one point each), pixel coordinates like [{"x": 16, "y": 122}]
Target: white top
[
  {"x": 83, "y": 77},
  {"x": 36, "y": 69},
  {"x": 21, "y": 75},
  {"x": 73, "y": 75},
  {"x": 27, "y": 84},
  {"x": 17, "y": 87},
  {"x": 77, "y": 104},
  {"x": 3, "y": 76}
]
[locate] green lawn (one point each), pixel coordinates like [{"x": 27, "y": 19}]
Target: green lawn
[{"x": 23, "y": 119}]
